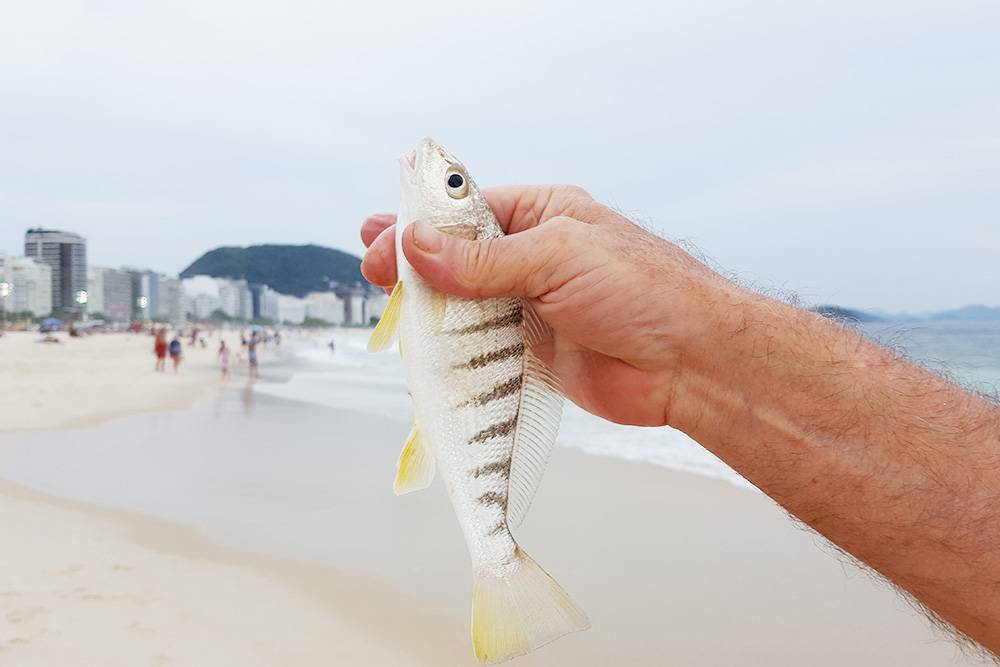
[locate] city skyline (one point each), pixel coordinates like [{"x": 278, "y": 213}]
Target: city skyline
[
  {"x": 53, "y": 278},
  {"x": 138, "y": 295}
]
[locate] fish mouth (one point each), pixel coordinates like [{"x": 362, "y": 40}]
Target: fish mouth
[
  {"x": 411, "y": 162},
  {"x": 409, "y": 173},
  {"x": 408, "y": 165}
]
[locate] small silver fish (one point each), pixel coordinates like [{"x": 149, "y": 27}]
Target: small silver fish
[{"x": 486, "y": 410}]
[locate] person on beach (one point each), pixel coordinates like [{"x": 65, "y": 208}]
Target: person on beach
[
  {"x": 175, "y": 352},
  {"x": 224, "y": 360},
  {"x": 160, "y": 349},
  {"x": 895, "y": 465},
  {"x": 252, "y": 354}
]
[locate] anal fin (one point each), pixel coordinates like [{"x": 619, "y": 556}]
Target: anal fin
[{"x": 415, "y": 467}]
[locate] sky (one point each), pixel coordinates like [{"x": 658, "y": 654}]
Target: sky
[{"x": 847, "y": 151}]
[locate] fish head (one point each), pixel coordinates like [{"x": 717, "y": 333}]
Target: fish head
[{"x": 436, "y": 188}]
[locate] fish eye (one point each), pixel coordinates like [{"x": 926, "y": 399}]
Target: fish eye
[{"x": 458, "y": 186}]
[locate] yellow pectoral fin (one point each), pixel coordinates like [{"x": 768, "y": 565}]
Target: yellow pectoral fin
[
  {"x": 385, "y": 331},
  {"x": 415, "y": 468}
]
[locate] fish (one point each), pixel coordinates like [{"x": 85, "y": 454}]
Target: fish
[{"x": 486, "y": 412}]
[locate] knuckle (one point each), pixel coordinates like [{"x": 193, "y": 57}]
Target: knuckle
[
  {"x": 479, "y": 261},
  {"x": 574, "y": 192},
  {"x": 562, "y": 231}
]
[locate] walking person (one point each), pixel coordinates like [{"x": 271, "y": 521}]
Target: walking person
[
  {"x": 224, "y": 360},
  {"x": 175, "y": 352},
  {"x": 252, "y": 353},
  {"x": 160, "y": 349}
]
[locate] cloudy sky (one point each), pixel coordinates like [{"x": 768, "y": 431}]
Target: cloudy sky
[{"x": 847, "y": 150}]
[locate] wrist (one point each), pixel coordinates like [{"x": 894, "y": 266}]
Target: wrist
[
  {"x": 722, "y": 333},
  {"x": 764, "y": 364}
]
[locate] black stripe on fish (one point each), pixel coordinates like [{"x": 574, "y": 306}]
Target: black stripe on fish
[
  {"x": 502, "y": 390},
  {"x": 493, "y": 498},
  {"x": 511, "y": 318},
  {"x": 492, "y": 357},
  {"x": 496, "y": 468},
  {"x": 503, "y": 428}
]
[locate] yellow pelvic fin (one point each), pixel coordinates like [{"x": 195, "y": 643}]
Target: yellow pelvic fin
[
  {"x": 415, "y": 468},
  {"x": 382, "y": 337},
  {"x": 517, "y": 613}
]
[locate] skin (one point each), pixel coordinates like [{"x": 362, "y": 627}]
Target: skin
[{"x": 895, "y": 465}]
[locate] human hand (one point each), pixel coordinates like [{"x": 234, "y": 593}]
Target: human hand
[{"x": 629, "y": 310}]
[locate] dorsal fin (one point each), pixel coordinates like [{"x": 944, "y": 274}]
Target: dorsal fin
[{"x": 537, "y": 423}]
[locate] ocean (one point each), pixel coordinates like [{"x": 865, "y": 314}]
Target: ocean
[{"x": 969, "y": 353}]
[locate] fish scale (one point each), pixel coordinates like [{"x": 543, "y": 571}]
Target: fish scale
[{"x": 486, "y": 413}]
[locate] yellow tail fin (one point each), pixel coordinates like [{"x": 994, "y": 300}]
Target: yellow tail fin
[
  {"x": 385, "y": 330},
  {"x": 415, "y": 467},
  {"x": 515, "y": 614}
]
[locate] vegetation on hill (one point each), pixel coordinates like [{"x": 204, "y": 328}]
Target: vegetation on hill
[{"x": 289, "y": 269}]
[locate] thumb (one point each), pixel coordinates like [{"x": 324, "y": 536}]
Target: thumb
[{"x": 527, "y": 264}]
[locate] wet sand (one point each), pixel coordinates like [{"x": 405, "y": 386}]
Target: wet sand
[{"x": 672, "y": 568}]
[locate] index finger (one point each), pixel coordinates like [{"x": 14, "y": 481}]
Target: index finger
[{"x": 375, "y": 225}]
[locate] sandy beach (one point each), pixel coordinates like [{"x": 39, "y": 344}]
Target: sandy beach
[
  {"x": 184, "y": 523},
  {"x": 81, "y": 381}
]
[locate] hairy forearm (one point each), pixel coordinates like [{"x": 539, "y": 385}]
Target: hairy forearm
[{"x": 894, "y": 464}]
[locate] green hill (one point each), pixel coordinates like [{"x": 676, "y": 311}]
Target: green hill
[{"x": 289, "y": 269}]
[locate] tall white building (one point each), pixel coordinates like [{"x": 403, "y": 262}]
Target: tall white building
[
  {"x": 66, "y": 254},
  {"x": 235, "y": 299},
  {"x": 265, "y": 302},
  {"x": 326, "y": 306},
  {"x": 95, "y": 289},
  {"x": 28, "y": 286},
  {"x": 145, "y": 293},
  {"x": 205, "y": 294},
  {"x": 109, "y": 292},
  {"x": 170, "y": 304},
  {"x": 291, "y": 309},
  {"x": 201, "y": 296},
  {"x": 203, "y": 305}
]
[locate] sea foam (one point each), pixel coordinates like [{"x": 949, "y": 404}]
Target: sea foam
[{"x": 350, "y": 378}]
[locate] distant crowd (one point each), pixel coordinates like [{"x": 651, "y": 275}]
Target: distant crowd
[{"x": 249, "y": 347}]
